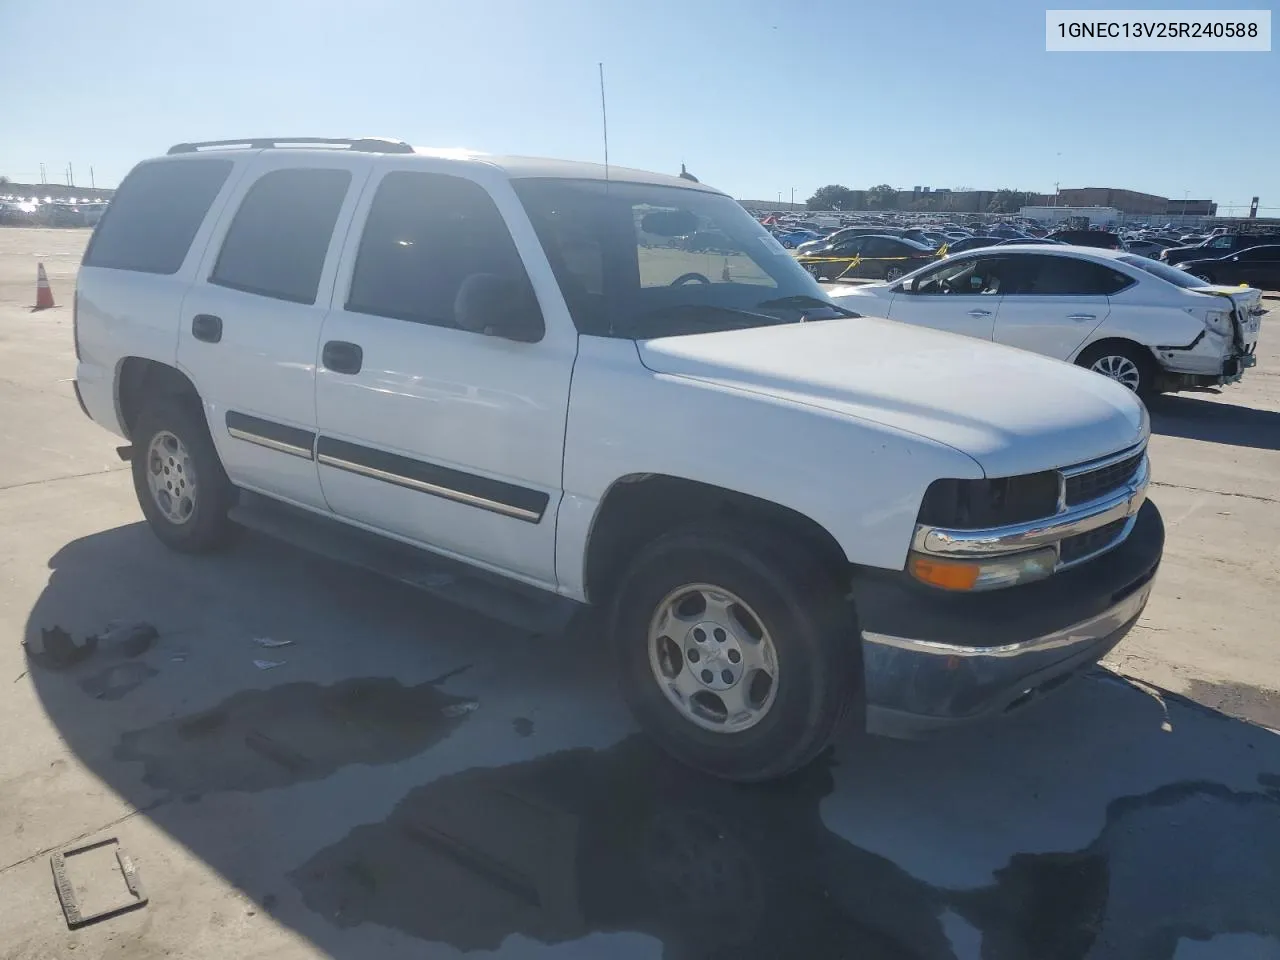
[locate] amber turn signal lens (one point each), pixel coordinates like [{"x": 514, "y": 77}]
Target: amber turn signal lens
[
  {"x": 945, "y": 574},
  {"x": 983, "y": 573}
]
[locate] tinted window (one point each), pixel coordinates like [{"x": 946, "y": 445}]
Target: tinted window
[
  {"x": 850, "y": 246},
  {"x": 1260, "y": 253},
  {"x": 277, "y": 242},
  {"x": 428, "y": 232},
  {"x": 882, "y": 247},
  {"x": 1222, "y": 243},
  {"x": 155, "y": 214},
  {"x": 1067, "y": 276}
]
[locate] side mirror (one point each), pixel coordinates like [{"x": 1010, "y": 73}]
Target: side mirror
[{"x": 497, "y": 306}]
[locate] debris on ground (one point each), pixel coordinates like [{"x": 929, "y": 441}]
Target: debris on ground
[
  {"x": 268, "y": 664},
  {"x": 460, "y": 709},
  {"x": 57, "y": 649},
  {"x": 128, "y": 639},
  {"x": 271, "y": 643}
]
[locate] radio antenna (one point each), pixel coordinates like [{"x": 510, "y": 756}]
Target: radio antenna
[{"x": 604, "y": 122}]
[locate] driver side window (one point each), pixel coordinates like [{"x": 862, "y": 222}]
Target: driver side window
[
  {"x": 1221, "y": 243},
  {"x": 976, "y": 276}
]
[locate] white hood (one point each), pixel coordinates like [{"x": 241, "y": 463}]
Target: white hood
[{"x": 1012, "y": 411}]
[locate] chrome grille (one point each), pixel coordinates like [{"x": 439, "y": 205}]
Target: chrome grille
[
  {"x": 1091, "y": 484},
  {"x": 1085, "y": 545}
]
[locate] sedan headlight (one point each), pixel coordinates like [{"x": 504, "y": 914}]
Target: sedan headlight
[
  {"x": 983, "y": 573},
  {"x": 1219, "y": 322}
]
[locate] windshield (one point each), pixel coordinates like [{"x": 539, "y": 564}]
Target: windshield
[
  {"x": 1175, "y": 276},
  {"x": 644, "y": 260}
]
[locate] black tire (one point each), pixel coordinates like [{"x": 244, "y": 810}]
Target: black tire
[
  {"x": 1138, "y": 355},
  {"x": 1206, "y": 277},
  {"x": 207, "y": 528},
  {"x": 815, "y": 636},
  {"x": 893, "y": 272}
]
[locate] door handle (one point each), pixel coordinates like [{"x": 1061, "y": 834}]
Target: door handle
[
  {"x": 206, "y": 327},
  {"x": 1082, "y": 316},
  {"x": 342, "y": 357},
  {"x": 979, "y": 313}
]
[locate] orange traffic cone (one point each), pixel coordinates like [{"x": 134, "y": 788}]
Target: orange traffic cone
[{"x": 44, "y": 294}]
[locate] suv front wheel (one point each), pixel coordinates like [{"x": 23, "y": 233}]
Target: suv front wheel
[
  {"x": 181, "y": 486},
  {"x": 739, "y": 653}
]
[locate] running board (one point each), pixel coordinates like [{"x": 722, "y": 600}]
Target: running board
[{"x": 511, "y": 602}]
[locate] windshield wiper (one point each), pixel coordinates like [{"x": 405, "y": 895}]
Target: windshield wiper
[
  {"x": 803, "y": 300},
  {"x": 706, "y": 314}
]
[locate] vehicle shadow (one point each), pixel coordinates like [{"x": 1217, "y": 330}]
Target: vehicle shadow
[
  {"x": 373, "y": 796},
  {"x": 1195, "y": 419}
]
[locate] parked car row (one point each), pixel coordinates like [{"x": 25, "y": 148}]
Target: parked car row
[{"x": 50, "y": 214}]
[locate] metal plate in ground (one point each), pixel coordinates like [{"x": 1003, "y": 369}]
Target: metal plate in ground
[{"x": 96, "y": 881}]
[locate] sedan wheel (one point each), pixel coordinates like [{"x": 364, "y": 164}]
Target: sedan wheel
[
  {"x": 1119, "y": 368},
  {"x": 893, "y": 273}
]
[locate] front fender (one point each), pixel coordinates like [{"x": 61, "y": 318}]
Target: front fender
[{"x": 861, "y": 481}]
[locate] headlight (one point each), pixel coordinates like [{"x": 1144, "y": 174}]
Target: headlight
[
  {"x": 983, "y": 573},
  {"x": 969, "y": 504},
  {"x": 1219, "y": 322}
]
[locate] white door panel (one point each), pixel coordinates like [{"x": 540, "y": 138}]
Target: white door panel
[
  {"x": 1053, "y": 326},
  {"x": 972, "y": 316},
  {"x": 446, "y": 437},
  {"x": 252, "y": 354}
]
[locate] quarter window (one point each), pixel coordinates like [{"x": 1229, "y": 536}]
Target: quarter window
[
  {"x": 276, "y": 245},
  {"x": 155, "y": 214}
]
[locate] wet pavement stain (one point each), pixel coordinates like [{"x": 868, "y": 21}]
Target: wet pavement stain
[
  {"x": 584, "y": 842},
  {"x": 263, "y": 739},
  {"x": 117, "y": 680}
]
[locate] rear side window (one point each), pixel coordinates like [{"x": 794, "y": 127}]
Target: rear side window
[
  {"x": 1067, "y": 277},
  {"x": 426, "y": 233},
  {"x": 155, "y": 214},
  {"x": 276, "y": 245}
]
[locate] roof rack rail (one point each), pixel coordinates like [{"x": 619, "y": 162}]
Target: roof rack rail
[{"x": 358, "y": 144}]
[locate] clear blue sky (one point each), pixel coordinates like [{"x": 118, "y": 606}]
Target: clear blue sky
[{"x": 756, "y": 97}]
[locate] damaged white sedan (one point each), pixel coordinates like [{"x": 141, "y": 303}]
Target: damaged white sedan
[{"x": 1149, "y": 326}]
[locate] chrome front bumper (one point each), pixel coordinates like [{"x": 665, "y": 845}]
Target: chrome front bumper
[{"x": 934, "y": 660}]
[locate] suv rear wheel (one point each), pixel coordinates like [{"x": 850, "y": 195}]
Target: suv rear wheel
[
  {"x": 181, "y": 486},
  {"x": 740, "y": 654}
]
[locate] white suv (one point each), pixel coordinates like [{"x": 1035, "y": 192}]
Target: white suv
[{"x": 530, "y": 385}]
